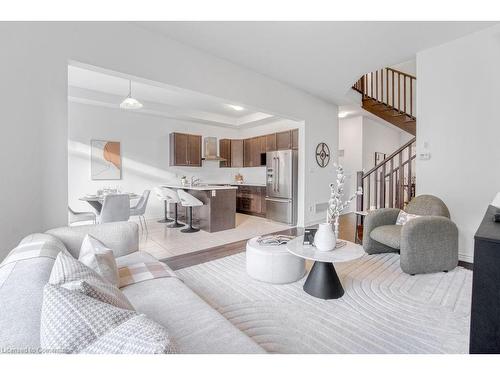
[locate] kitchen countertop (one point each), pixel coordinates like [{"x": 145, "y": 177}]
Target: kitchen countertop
[
  {"x": 201, "y": 187},
  {"x": 249, "y": 184}
]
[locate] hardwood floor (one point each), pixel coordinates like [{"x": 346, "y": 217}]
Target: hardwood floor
[{"x": 346, "y": 230}]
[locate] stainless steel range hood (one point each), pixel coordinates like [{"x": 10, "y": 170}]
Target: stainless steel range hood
[{"x": 210, "y": 149}]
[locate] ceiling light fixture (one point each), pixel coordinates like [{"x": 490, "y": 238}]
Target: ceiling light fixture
[
  {"x": 343, "y": 114},
  {"x": 129, "y": 102},
  {"x": 236, "y": 107}
]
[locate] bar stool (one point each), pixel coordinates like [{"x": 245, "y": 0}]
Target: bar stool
[
  {"x": 187, "y": 200},
  {"x": 160, "y": 194},
  {"x": 172, "y": 198}
]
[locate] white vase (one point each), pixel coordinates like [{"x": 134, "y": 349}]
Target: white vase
[{"x": 325, "y": 239}]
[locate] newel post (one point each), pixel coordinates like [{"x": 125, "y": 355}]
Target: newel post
[{"x": 359, "y": 198}]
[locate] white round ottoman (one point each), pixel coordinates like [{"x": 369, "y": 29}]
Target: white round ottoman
[{"x": 273, "y": 264}]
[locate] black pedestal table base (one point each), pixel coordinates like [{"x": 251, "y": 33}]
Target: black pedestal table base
[{"x": 323, "y": 282}]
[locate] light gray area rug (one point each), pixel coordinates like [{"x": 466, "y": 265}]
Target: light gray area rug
[{"x": 383, "y": 309}]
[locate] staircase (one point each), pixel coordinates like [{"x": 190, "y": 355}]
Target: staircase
[
  {"x": 391, "y": 183},
  {"x": 390, "y": 95}
]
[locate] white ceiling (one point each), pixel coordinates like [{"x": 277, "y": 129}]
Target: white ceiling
[
  {"x": 91, "y": 86},
  {"x": 322, "y": 58}
]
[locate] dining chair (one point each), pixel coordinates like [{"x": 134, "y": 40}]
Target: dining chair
[
  {"x": 116, "y": 207},
  {"x": 140, "y": 209},
  {"x": 77, "y": 216}
]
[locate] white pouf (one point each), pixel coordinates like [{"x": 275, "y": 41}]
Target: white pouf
[{"x": 273, "y": 264}]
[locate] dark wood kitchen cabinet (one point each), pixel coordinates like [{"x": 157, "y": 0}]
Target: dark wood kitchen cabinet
[
  {"x": 250, "y": 200},
  {"x": 251, "y": 152},
  {"x": 284, "y": 140},
  {"x": 271, "y": 142},
  {"x": 232, "y": 151},
  {"x": 236, "y": 153},
  {"x": 295, "y": 139},
  {"x": 254, "y": 151},
  {"x": 247, "y": 152},
  {"x": 185, "y": 150},
  {"x": 225, "y": 153}
]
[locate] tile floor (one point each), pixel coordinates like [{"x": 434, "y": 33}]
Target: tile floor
[{"x": 163, "y": 242}]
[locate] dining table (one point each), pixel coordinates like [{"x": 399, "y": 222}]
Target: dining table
[{"x": 96, "y": 201}]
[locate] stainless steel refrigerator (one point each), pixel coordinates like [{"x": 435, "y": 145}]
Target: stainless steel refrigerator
[{"x": 281, "y": 193}]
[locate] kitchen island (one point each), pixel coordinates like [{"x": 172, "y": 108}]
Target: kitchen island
[{"x": 219, "y": 206}]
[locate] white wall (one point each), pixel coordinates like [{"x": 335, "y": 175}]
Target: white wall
[
  {"x": 145, "y": 152},
  {"x": 360, "y": 137},
  {"x": 408, "y": 67},
  {"x": 351, "y": 141},
  {"x": 33, "y": 72},
  {"x": 378, "y": 137},
  {"x": 458, "y": 104}
]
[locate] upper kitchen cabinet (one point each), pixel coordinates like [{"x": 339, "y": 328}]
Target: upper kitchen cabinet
[
  {"x": 271, "y": 142},
  {"x": 236, "y": 153},
  {"x": 232, "y": 151},
  {"x": 185, "y": 150},
  {"x": 254, "y": 152},
  {"x": 225, "y": 152},
  {"x": 284, "y": 140},
  {"x": 295, "y": 139}
]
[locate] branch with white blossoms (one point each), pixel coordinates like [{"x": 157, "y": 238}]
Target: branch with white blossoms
[{"x": 335, "y": 204}]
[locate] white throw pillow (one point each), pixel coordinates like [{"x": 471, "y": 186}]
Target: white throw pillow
[
  {"x": 405, "y": 217},
  {"x": 98, "y": 257}
]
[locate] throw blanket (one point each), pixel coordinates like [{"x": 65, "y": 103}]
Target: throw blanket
[
  {"x": 144, "y": 271},
  {"x": 34, "y": 246}
]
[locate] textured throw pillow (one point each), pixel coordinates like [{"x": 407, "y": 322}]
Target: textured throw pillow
[
  {"x": 72, "y": 322},
  {"x": 405, "y": 217},
  {"x": 74, "y": 275},
  {"x": 98, "y": 257},
  {"x": 138, "y": 335}
]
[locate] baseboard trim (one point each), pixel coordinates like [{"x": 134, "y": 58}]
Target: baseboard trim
[{"x": 466, "y": 265}]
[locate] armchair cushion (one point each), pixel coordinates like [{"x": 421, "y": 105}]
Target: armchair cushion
[
  {"x": 375, "y": 219},
  {"x": 389, "y": 235}
]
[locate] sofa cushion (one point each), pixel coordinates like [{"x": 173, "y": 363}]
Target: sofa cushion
[
  {"x": 74, "y": 275},
  {"x": 195, "y": 325},
  {"x": 72, "y": 322},
  {"x": 122, "y": 237},
  {"x": 99, "y": 258},
  {"x": 389, "y": 235}
]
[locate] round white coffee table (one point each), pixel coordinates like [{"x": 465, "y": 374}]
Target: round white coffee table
[{"x": 323, "y": 281}]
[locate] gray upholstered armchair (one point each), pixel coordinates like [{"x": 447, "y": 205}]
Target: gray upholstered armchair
[{"x": 426, "y": 244}]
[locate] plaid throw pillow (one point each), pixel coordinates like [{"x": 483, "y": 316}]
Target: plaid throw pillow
[
  {"x": 72, "y": 322},
  {"x": 74, "y": 275}
]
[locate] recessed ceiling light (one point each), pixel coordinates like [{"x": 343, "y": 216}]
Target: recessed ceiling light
[
  {"x": 236, "y": 107},
  {"x": 343, "y": 114}
]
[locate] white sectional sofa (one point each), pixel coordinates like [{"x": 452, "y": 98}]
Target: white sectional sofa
[{"x": 194, "y": 326}]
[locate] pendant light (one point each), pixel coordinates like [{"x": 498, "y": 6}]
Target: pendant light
[{"x": 129, "y": 102}]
